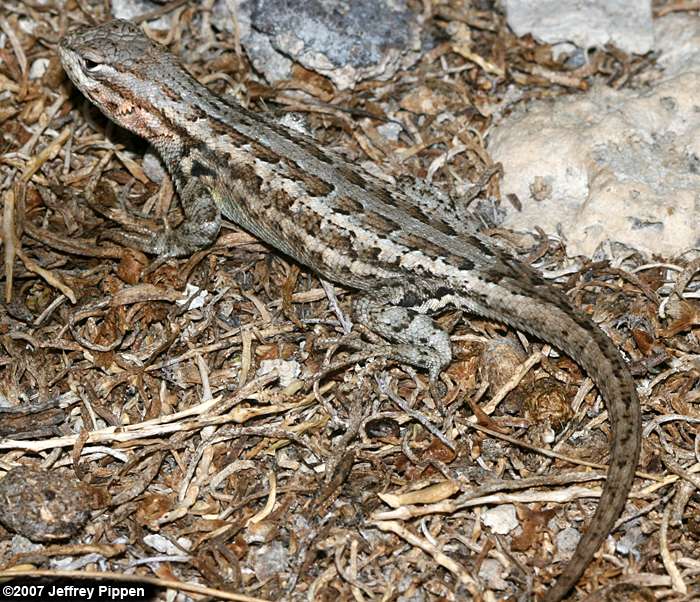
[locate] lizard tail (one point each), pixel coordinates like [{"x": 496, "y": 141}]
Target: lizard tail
[{"x": 547, "y": 314}]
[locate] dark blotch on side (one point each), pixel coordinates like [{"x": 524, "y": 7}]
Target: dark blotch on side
[
  {"x": 200, "y": 170},
  {"x": 313, "y": 185},
  {"x": 380, "y": 224},
  {"x": 414, "y": 240},
  {"x": 477, "y": 243},
  {"x": 444, "y": 291},
  {"x": 466, "y": 264},
  {"x": 409, "y": 299},
  {"x": 348, "y": 206},
  {"x": 264, "y": 154},
  {"x": 352, "y": 176}
]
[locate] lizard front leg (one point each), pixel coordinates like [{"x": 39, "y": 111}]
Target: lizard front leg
[
  {"x": 416, "y": 338},
  {"x": 199, "y": 228}
]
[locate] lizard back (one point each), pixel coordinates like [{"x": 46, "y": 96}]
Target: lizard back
[{"x": 348, "y": 226}]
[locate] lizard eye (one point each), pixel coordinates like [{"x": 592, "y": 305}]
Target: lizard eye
[{"x": 91, "y": 65}]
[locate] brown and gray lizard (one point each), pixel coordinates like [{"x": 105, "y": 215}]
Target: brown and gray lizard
[{"x": 348, "y": 227}]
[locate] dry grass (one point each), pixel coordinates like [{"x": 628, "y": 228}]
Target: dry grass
[{"x": 234, "y": 444}]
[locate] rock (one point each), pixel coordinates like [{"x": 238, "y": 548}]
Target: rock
[
  {"x": 619, "y": 165},
  {"x": 288, "y": 370},
  {"x": 567, "y": 539},
  {"x": 493, "y": 574},
  {"x": 43, "y": 505},
  {"x": 345, "y": 41},
  {"x": 270, "y": 560},
  {"x": 625, "y": 23},
  {"x": 129, "y": 9},
  {"x": 501, "y": 519}
]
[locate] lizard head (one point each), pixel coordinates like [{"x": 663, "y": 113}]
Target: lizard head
[{"x": 119, "y": 69}]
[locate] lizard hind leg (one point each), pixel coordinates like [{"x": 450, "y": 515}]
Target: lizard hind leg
[{"x": 416, "y": 338}]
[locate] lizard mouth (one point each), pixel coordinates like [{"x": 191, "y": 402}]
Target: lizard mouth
[
  {"x": 68, "y": 60},
  {"x": 71, "y": 65}
]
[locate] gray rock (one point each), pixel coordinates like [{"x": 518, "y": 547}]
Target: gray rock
[
  {"x": 613, "y": 165},
  {"x": 345, "y": 41},
  {"x": 129, "y": 9},
  {"x": 625, "y": 23},
  {"x": 567, "y": 540},
  {"x": 270, "y": 560}
]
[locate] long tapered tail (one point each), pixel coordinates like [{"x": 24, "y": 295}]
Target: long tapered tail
[{"x": 549, "y": 317}]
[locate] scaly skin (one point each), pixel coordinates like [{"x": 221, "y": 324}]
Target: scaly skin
[{"x": 403, "y": 253}]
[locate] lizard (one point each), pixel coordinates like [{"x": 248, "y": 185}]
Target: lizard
[{"x": 347, "y": 226}]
